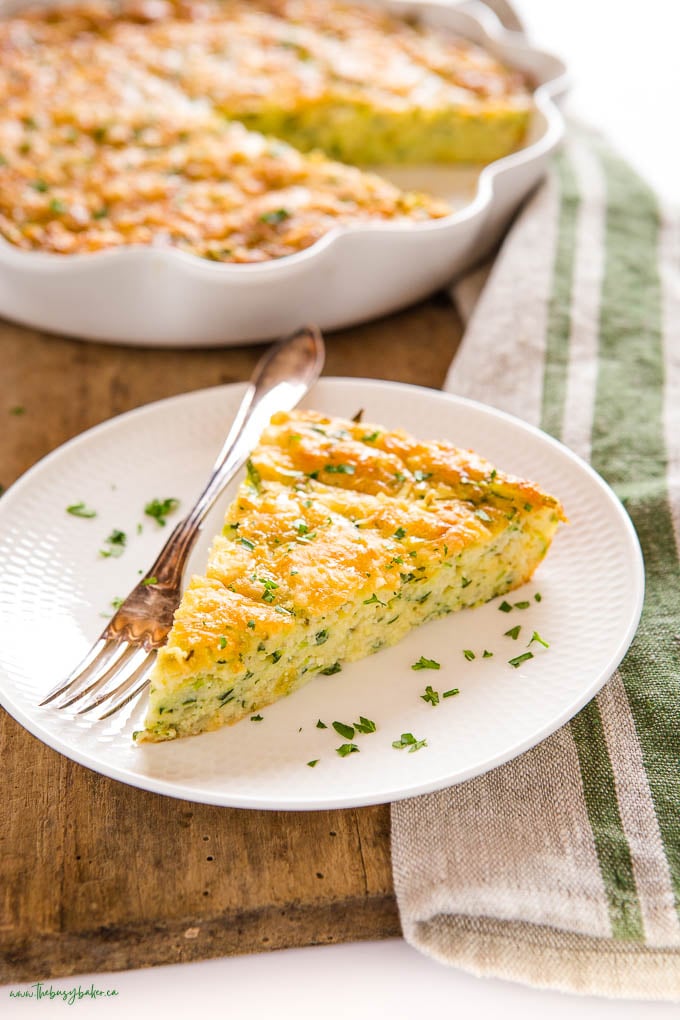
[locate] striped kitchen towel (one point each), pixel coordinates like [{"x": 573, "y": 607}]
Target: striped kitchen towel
[{"x": 562, "y": 868}]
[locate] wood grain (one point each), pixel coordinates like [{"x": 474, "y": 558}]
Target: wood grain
[{"x": 98, "y": 876}]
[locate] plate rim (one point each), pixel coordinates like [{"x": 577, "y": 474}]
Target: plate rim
[{"x": 178, "y": 790}]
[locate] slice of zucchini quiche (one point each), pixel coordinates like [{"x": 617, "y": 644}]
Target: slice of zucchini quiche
[{"x": 342, "y": 537}]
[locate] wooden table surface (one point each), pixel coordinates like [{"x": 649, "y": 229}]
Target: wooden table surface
[{"x": 98, "y": 876}]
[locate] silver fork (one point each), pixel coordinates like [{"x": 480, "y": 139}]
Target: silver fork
[{"x": 117, "y": 665}]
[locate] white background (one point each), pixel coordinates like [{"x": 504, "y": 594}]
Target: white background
[{"x": 625, "y": 61}]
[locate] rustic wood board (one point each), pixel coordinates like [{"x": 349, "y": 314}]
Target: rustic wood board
[{"x": 98, "y": 876}]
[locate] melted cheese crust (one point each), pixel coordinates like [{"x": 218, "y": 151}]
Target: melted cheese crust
[{"x": 342, "y": 538}]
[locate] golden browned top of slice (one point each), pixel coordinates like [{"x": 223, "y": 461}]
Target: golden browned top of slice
[{"x": 332, "y": 511}]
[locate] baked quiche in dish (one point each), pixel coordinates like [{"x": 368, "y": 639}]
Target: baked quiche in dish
[
  {"x": 217, "y": 126},
  {"x": 342, "y": 538}
]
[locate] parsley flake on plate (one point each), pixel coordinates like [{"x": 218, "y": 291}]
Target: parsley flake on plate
[
  {"x": 116, "y": 543},
  {"x": 346, "y": 749},
  {"x": 159, "y": 509},
  {"x": 430, "y": 695},
  {"x": 519, "y": 659},
  {"x": 364, "y": 725},
  {"x": 408, "y": 740},
  {"x": 344, "y": 730},
  {"x": 80, "y": 510},
  {"x": 424, "y": 663}
]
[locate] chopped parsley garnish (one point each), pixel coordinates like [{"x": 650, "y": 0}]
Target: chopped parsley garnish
[
  {"x": 322, "y": 637},
  {"x": 505, "y": 607},
  {"x": 117, "y": 602},
  {"x": 301, "y": 527},
  {"x": 330, "y": 670},
  {"x": 100, "y": 214},
  {"x": 408, "y": 740},
  {"x": 313, "y": 763},
  {"x": 251, "y": 625},
  {"x": 57, "y": 206},
  {"x": 452, "y": 693},
  {"x": 400, "y": 533},
  {"x": 344, "y": 730},
  {"x": 253, "y": 475},
  {"x": 513, "y": 632},
  {"x": 469, "y": 654},
  {"x": 275, "y": 216},
  {"x": 522, "y": 605},
  {"x": 116, "y": 541},
  {"x": 339, "y": 469},
  {"x": 346, "y": 749},
  {"x": 160, "y": 508},
  {"x": 537, "y": 637},
  {"x": 430, "y": 695},
  {"x": 399, "y": 477},
  {"x": 256, "y": 718},
  {"x": 246, "y": 543},
  {"x": 17, "y": 411},
  {"x": 518, "y": 660},
  {"x": 465, "y": 581},
  {"x": 40, "y": 185},
  {"x": 424, "y": 663},
  {"x": 364, "y": 725},
  {"x": 487, "y": 654},
  {"x": 373, "y": 601},
  {"x": 222, "y": 642},
  {"x": 149, "y": 580},
  {"x": 538, "y": 596},
  {"x": 321, "y": 725},
  {"x": 269, "y": 588},
  {"x": 370, "y": 437},
  {"x": 275, "y": 656},
  {"x": 80, "y": 510}
]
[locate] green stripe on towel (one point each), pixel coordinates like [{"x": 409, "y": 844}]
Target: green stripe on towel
[{"x": 629, "y": 450}]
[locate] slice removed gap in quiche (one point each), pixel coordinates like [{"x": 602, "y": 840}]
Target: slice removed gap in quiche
[{"x": 342, "y": 538}]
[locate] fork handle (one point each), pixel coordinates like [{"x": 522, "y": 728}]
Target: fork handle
[{"x": 280, "y": 380}]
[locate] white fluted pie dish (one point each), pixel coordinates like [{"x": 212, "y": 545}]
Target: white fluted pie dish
[{"x": 166, "y": 297}]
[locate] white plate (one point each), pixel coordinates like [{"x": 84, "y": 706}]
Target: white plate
[
  {"x": 155, "y": 296},
  {"x": 54, "y": 586}
]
